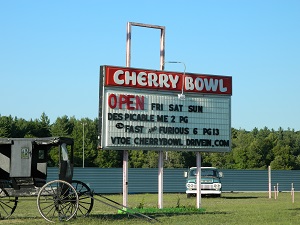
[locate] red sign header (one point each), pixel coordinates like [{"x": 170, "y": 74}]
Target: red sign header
[{"x": 169, "y": 81}]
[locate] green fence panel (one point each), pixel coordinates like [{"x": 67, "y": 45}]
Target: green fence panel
[{"x": 143, "y": 180}]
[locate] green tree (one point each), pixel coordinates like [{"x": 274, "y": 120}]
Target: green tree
[
  {"x": 85, "y": 138},
  {"x": 283, "y": 159},
  {"x": 34, "y": 129},
  {"x": 219, "y": 160},
  {"x": 137, "y": 158},
  {"x": 174, "y": 159},
  {"x": 21, "y": 128},
  {"x": 44, "y": 126},
  {"x": 240, "y": 151},
  {"x": 62, "y": 127},
  {"x": 109, "y": 159},
  {"x": 5, "y": 126},
  {"x": 151, "y": 159},
  {"x": 189, "y": 159}
]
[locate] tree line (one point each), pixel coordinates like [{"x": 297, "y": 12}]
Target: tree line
[{"x": 256, "y": 149}]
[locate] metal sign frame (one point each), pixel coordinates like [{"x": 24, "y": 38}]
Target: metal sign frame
[{"x": 125, "y": 154}]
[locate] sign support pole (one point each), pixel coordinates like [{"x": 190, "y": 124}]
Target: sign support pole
[
  {"x": 125, "y": 177},
  {"x": 160, "y": 179},
  {"x": 125, "y": 152},
  {"x": 269, "y": 180},
  {"x": 198, "y": 180}
]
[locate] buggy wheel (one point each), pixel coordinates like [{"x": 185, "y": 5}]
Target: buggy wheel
[
  {"x": 86, "y": 201},
  {"x": 57, "y": 201},
  {"x": 7, "y": 204}
]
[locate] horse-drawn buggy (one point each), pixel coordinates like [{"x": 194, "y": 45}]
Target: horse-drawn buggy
[{"x": 23, "y": 172}]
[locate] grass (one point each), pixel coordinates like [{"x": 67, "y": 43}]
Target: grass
[{"x": 231, "y": 209}]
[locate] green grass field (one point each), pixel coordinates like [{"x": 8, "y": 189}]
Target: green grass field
[{"x": 231, "y": 208}]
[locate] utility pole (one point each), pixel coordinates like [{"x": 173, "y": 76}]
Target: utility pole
[{"x": 83, "y": 144}]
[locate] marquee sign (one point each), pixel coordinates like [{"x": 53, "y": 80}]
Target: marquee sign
[{"x": 139, "y": 109}]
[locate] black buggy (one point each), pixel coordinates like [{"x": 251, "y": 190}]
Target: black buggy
[{"x": 23, "y": 172}]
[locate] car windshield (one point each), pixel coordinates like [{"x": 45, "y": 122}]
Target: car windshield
[{"x": 204, "y": 173}]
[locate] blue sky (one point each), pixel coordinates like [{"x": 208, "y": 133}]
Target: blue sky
[{"x": 51, "y": 51}]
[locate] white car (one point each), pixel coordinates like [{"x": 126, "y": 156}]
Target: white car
[{"x": 210, "y": 181}]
